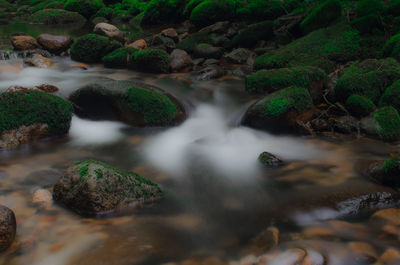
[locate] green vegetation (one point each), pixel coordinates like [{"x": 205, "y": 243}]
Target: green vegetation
[
  {"x": 105, "y": 12},
  {"x": 368, "y": 7},
  {"x": 160, "y": 12},
  {"x": 249, "y": 36},
  {"x": 91, "y": 48},
  {"x": 188, "y": 44},
  {"x": 210, "y": 11},
  {"x": 266, "y": 9},
  {"x": 152, "y": 60},
  {"x": 389, "y": 121},
  {"x": 275, "y": 79},
  {"x": 118, "y": 58},
  {"x": 392, "y": 166},
  {"x": 392, "y": 47},
  {"x": 34, "y": 107},
  {"x": 269, "y": 160},
  {"x": 391, "y": 96},
  {"x": 322, "y": 16},
  {"x": 56, "y": 16},
  {"x": 86, "y": 8},
  {"x": 359, "y": 106},
  {"x": 156, "y": 108},
  {"x": 367, "y": 24},
  {"x": 338, "y": 43},
  {"x": 369, "y": 78}
]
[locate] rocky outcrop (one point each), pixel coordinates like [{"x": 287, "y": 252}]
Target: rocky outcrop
[
  {"x": 92, "y": 187},
  {"x": 55, "y": 43}
]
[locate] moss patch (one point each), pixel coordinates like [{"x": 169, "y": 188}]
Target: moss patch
[
  {"x": 389, "y": 121},
  {"x": 210, "y": 11},
  {"x": 151, "y": 60},
  {"x": 249, "y": 36},
  {"x": 391, "y": 96},
  {"x": 118, "y": 58},
  {"x": 56, "y": 16},
  {"x": 322, "y": 16},
  {"x": 359, "y": 106},
  {"x": 86, "y": 8}
]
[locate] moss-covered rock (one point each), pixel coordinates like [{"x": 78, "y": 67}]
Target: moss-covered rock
[
  {"x": 275, "y": 79},
  {"x": 391, "y": 96},
  {"x": 56, "y": 16},
  {"x": 392, "y": 47},
  {"x": 383, "y": 123},
  {"x": 369, "y": 78},
  {"x": 322, "y": 16},
  {"x": 210, "y": 11},
  {"x": 160, "y": 12},
  {"x": 359, "y": 106},
  {"x": 385, "y": 172},
  {"x": 86, "y": 8},
  {"x": 368, "y": 7},
  {"x": 190, "y": 6},
  {"x": 24, "y": 108},
  {"x": 339, "y": 43},
  {"x": 91, "y": 48},
  {"x": 188, "y": 44},
  {"x": 131, "y": 102},
  {"x": 105, "y": 12},
  {"x": 367, "y": 24},
  {"x": 119, "y": 57},
  {"x": 269, "y": 160},
  {"x": 249, "y": 36},
  {"x": 277, "y": 112},
  {"x": 151, "y": 60},
  {"x": 257, "y": 10},
  {"x": 92, "y": 187}
]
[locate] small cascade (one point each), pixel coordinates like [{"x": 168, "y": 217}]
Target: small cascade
[{"x": 13, "y": 55}]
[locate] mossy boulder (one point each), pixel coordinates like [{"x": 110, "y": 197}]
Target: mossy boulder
[
  {"x": 134, "y": 103},
  {"x": 205, "y": 50},
  {"x": 91, "y": 48},
  {"x": 367, "y": 24},
  {"x": 278, "y": 111},
  {"x": 86, "y": 8},
  {"x": 392, "y": 47},
  {"x": 269, "y": 160},
  {"x": 249, "y": 36},
  {"x": 56, "y": 16},
  {"x": 359, "y": 106},
  {"x": 210, "y": 11},
  {"x": 322, "y": 16},
  {"x": 119, "y": 57},
  {"x": 31, "y": 107},
  {"x": 151, "y": 60},
  {"x": 383, "y": 123},
  {"x": 276, "y": 79},
  {"x": 257, "y": 10},
  {"x": 369, "y": 78},
  {"x": 188, "y": 44},
  {"x": 93, "y": 187},
  {"x": 391, "y": 96},
  {"x": 368, "y": 7},
  {"x": 339, "y": 43},
  {"x": 159, "y": 12},
  {"x": 386, "y": 172},
  {"x": 105, "y": 12}
]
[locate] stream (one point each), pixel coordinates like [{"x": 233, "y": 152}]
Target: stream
[{"x": 218, "y": 197}]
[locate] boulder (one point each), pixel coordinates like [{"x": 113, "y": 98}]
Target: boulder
[
  {"x": 180, "y": 61},
  {"x": 238, "y": 56},
  {"x": 208, "y": 51},
  {"x": 93, "y": 187},
  {"x": 151, "y": 60},
  {"x": 138, "y": 44},
  {"x": 22, "y": 43},
  {"x": 164, "y": 43},
  {"x": 39, "y": 61},
  {"x": 269, "y": 160},
  {"x": 8, "y": 227},
  {"x": 219, "y": 27},
  {"x": 210, "y": 72},
  {"x": 44, "y": 87},
  {"x": 55, "y": 43},
  {"x": 109, "y": 30},
  {"x": 170, "y": 33}
]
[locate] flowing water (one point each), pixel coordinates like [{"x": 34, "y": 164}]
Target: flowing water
[{"x": 217, "y": 196}]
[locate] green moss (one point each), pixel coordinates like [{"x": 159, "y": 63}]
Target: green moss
[
  {"x": 210, "y": 11},
  {"x": 156, "y": 107},
  {"x": 257, "y": 10},
  {"x": 86, "y": 8},
  {"x": 249, "y": 36},
  {"x": 56, "y": 16},
  {"x": 160, "y": 12},
  {"x": 105, "y": 12},
  {"x": 367, "y": 24},
  {"x": 369, "y": 78},
  {"x": 322, "y": 16},
  {"x": 152, "y": 60},
  {"x": 275, "y": 79},
  {"x": 34, "y": 107},
  {"x": 359, "y": 106},
  {"x": 368, "y": 7},
  {"x": 91, "y": 48},
  {"x": 391, "y": 96},
  {"x": 190, "y": 6},
  {"x": 6, "y": 6},
  {"x": 188, "y": 44},
  {"x": 392, "y": 47},
  {"x": 338, "y": 43},
  {"x": 118, "y": 58},
  {"x": 278, "y": 106},
  {"x": 392, "y": 166},
  {"x": 84, "y": 171},
  {"x": 389, "y": 121},
  {"x": 269, "y": 160}
]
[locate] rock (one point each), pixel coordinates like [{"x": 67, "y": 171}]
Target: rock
[
  {"x": 24, "y": 134},
  {"x": 8, "y": 227},
  {"x": 92, "y": 187},
  {"x": 207, "y": 51},
  {"x": 364, "y": 249},
  {"x": 390, "y": 215},
  {"x": 347, "y": 124},
  {"x": 55, "y": 43},
  {"x": 57, "y": 17},
  {"x": 44, "y": 87},
  {"x": 22, "y": 43},
  {"x": 138, "y": 44},
  {"x": 42, "y": 197},
  {"x": 266, "y": 240},
  {"x": 211, "y": 62},
  {"x": 269, "y": 160},
  {"x": 170, "y": 33},
  {"x": 210, "y": 72},
  {"x": 82, "y": 66},
  {"x": 109, "y": 30},
  {"x": 385, "y": 172},
  {"x": 180, "y": 61},
  {"x": 219, "y": 27},
  {"x": 165, "y": 43},
  {"x": 222, "y": 41},
  {"x": 238, "y": 56},
  {"x": 39, "y": 61},
  {"x": 390, "y": 256},
  {"x": 128, "y": 101}
]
